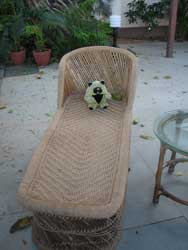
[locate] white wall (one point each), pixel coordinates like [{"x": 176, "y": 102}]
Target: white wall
[
  {"x": 119, "y": 7},
  {"x": 116, "y": 7}
]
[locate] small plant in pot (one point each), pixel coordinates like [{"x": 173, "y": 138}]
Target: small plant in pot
[
  {"x": 12, "y": 27},
  {"x": 13, "y": 35},
  {"x": 41, "y": 54},
  {"x": 17, "y": 54}
]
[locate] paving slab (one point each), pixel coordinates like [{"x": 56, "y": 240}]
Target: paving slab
[
  {"x": 16, "y": 149},
  {"x": 168, "y": 235},
  {"x": 31, "y": 103},
  {"x": 18, "y": 70},
  {"x": 22, "y": 89},
  {"x": 139, "y": 209},
  {"x": 177, "y": 184}
]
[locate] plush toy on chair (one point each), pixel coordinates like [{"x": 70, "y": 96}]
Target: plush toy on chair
[{"x": 97, "y": 95}]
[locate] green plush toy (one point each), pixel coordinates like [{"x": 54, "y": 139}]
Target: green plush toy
[{"x": 97, "y": 95}]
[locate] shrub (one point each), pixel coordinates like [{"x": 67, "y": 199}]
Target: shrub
[
  {"x": 182, "y": 19},
  {"x": 61, "y": 30},
  {"x": 78, "y": 28},
  {"x": 150, "y": 14},
  {"x": 12, "y": 27},
  {"x": 35, "y": 32}
]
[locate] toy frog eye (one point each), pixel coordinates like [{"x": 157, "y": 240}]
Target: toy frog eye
[
  {"x": 89, "y": 84},
  {"x": 103, "y": 82}
]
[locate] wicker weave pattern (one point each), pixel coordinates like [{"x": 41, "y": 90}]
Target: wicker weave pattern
[
  {"x": 76, "y": 181},
  {"x": 77, "y": 167},
  {"x": 117, "y": 67},
  {"x": 76, "y": 233}
]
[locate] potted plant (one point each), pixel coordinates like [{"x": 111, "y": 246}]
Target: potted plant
[
  {"x": 18, "y": 56},
  {"x": 11, "y": 32},
  {"x": 41, "y": 54},
  {"x": 17, "y": 53}
]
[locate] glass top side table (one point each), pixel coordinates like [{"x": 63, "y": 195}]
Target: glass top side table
[{"x": 171, "y": 128}]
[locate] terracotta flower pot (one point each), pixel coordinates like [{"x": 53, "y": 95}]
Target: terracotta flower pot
[
  {"x": 42, "y": 58},
  {"x": 18, "y": 57}
]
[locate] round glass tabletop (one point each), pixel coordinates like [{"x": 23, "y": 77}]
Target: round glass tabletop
[{"x": 172, "y": 130}]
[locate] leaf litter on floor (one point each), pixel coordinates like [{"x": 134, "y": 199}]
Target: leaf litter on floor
[
  {"x": 21, "y": 223},
  {"x": 147, "y": 137}
]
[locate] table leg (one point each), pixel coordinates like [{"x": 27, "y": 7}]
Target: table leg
[
  {"x": 172, "y": 166},
  {"x": 158, "y": 174}
]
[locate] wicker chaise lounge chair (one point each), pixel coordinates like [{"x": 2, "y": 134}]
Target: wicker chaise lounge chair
[{"x": 75, "y": 184}]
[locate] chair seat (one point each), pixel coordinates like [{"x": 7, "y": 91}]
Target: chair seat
[{"x": 80, "y": 168}]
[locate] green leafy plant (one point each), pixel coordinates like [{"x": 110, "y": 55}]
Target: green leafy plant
[
  {"x": 73, "y": 27},
  {"x": 12, "y": 27},
  {"x": 182, "y": 19},
  {"x": 75, "y": 24},
  {"x": 35, "y": 32},
  {"x": 150, "y": 14},
  {"x": 83, "y": 28},
  {"x": 16, "y": 30},
  {"x": 102, "y": 7}
]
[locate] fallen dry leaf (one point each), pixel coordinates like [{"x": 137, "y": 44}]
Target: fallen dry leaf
[
  {"x": 24, "y": 242},
  {"x": 146, "y": 137},
  {"x": 41, "y": 72},
  {"x": 117, "y": 96},
  {"x": 38, "y": 76},
  {"x": 21, "y": 224},
  {"x": 10, "y": 111},
  {"x": 135, "y": 121},
  {"x": 181, "y": 173},
  {"x": 167, "y": 77},
  {"x": 48, "y": 114},
  {"x": 32, "y": 131},
  {"x": 3, "y": 106},
  {"x": 156, "y": 77}
]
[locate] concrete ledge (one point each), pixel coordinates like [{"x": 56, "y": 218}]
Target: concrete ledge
[{"x": 142, "y": 33}]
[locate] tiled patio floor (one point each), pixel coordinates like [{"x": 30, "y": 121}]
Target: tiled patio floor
[{"x": 31, "y": 103}]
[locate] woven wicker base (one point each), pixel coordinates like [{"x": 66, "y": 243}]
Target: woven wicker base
[
  {"x": 68, "y": 233},
  {"x": 76, "y": 181}
]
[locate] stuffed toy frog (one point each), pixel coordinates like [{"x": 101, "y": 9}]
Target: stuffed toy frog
[{"x": 97, "y": 95}]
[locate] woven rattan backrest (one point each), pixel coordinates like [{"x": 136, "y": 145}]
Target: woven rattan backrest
[{"x": 117, "y": 67}]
